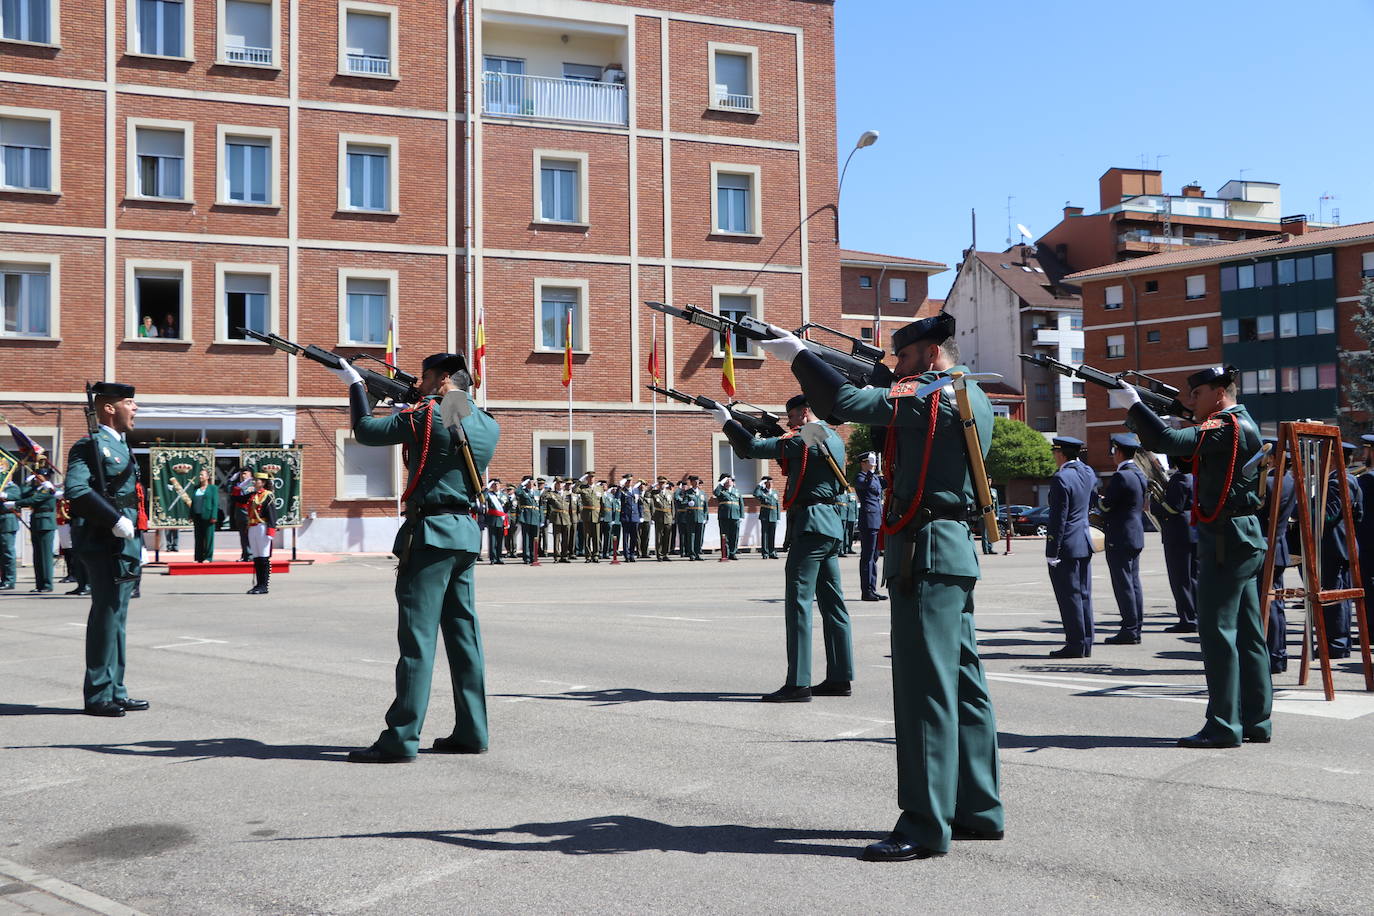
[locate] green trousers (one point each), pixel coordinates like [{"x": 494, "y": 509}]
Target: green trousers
[
  {"x": 205, "y": 539},
  {"x": 434, "y": 594},
  {"x": 105, "y": 628},
  {"x": 729, "y": 531},
  {"x": 42, "y": 540},
  {"x": 813, "y": 571},
  {"x": 1235, "y": 657},
  {"x": 9, "y": 560},
  {"x": 947, "y": 768},
  {"x": 768, "y": 533}
]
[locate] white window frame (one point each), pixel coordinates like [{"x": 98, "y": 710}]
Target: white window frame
[
  {"x": 892, "y": 289},
  {"x": 393, "y": 146},
  {"x": 541, "y": 437},
  {"x": 1367, "y": 264},
  {"x": 393, "y": 282},
  {"x": 188, "y": 32},
  {"x": 761, "y": 466},
  {"x": 344, "y": 437},
  {"x": 222, "y": 134},
  {"x": 755, "y": 174},
  {"x": 188, "y": 153},
  {"x": 221, "y": 37},
  {"x": 132, "y": 267},
  {"x": 54, "y": 37},
  {"x": 1203, "y": 329},
  {"x": 583, "y": 185},
  {"x": 583, "y": 323},
  {"x": 53, "y": 263},
  {"x": 222, "y": 270},
  {"x": 54, "y": 119},
  {"x": 374, "y": 9},
  {"x": 1188, "y": 286},
  {"x": 1108, "y": 302},
  {"x": 749, "y": 51},
  {"x": 1122, "y": 344},
  {"x": 753, "y": 292}
]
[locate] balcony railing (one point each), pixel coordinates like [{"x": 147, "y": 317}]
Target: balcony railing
[
  {"x": 735, "y": 100},
  {"x": 1047, "y": 337},
  {"x": 520, "y": 95},
  {"x": 1147, "y": 239},
  {"x": 369, "y": 64},
  {"x": 246, "y": 55}
]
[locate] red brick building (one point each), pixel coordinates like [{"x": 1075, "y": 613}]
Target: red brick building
[{"x": 304, "y": 167}]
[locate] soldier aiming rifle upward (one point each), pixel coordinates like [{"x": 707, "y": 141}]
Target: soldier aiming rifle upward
[
  {"x": 765, "y": 424},
  {"x": 1154, "y": 394}
]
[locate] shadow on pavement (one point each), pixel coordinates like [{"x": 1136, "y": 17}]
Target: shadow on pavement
[
  {"x": 1013, "y": 741},
  {"x": 622, "y": 833},
  {"x": 21, "y": 709},
  {"x": 614, "y": 695},
  {"x": 209, "y": 747}
]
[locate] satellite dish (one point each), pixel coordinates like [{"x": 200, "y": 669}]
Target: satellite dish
[{"x": 1024, "y": 231}]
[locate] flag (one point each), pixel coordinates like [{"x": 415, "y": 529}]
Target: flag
[
  {"x": 727, "y": 367},
  {"x": 28, "y": 449},
  {"x": 390, "y": 356},
  {"x": 479, "y": 354},
  {"x": 567, "y": 351},
  {"x": 655, "y": 373}
]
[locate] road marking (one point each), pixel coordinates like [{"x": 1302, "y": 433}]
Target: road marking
[
  {"x": 194, "y": 641},
  {"x": 658, "y": 617},
  {"x": 70, "y": 624},
  {"x": 375, "y": 661},
  {"x": 10, "y": 616}
]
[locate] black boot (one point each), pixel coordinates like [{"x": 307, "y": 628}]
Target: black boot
[
  {"x": 266, "y": 573},
  {"x": 259, "y": 587}
]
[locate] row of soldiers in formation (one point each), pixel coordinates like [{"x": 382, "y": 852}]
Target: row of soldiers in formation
[{"x": 597, "y": 519}]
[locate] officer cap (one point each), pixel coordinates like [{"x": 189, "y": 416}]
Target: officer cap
[
  {"x": 1067, "y": 444},
  {"x": 445, "y": 362},
  {"x": 540, "y": 480},
  {"x": 1367, "y": 439},
  {"x": 1126, "y": 440},
  {"x": 117, "y": 390},
  {"x": 693, "y": 477},
  {"x": 797, "y": 400},
  {"x": 262, "y": 476},
  {"x": 662, "y": 479},
  {"x": 765, "y": 477},
  {"x": 870, "y": 457},
  {"x": 1349, "y": 447},
  {"x": 1213, "y": 375},
  {"x": 935, "y": 329},
  {"x": 526, "y": 479},
  {"x": 723, "y": 477}
]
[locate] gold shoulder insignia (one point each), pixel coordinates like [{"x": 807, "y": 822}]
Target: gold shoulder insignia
[{"x": 1210, "y": 424}]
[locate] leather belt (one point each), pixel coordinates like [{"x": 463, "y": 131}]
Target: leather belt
[{"x": 427, "y": 511}]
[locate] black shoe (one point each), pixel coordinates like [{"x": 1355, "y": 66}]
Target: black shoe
[
  {"x": 80, "y": 590},
  {"x": 1202, "y": 741},
  {"x": 874, "y": 596},
  {"x": 1181, "y": 628},
  {"x": 109, "y": 710},
  {"x": 1278, "y": 667},
  {"x": 895, "y": 849},
  {"x": 66, "y": 580},
  {"x": 376, "y": 755},
  {"x": 1122, "y": 639},
  {"x": 138, "y": 593},
  {"x": 1258, "y": 738},
  {"x": 788, "y": 694},
  {"x": 451, "y": 745},
  {"x": 968, "y": 833},
  {"x": 131, "y": 705},
  {"x": 1334, "y": 654},
  {"x": 1068, "y": 652},
  {"x": 828, "y": 688}
]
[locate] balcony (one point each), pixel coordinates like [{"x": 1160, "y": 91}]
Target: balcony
[
  {"x": 1136, "y": 240},
  {"x": 549, "y": 98},
  {"x": 369, "y": 64},
  {"x": 246, "y": 55},
  {"x": 1047, "y": 336},
  {"x": 734, "y": 100}
]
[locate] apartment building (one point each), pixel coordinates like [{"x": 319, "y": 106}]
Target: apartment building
[
  {"x": 338, "y": 170},
  {"x": 1278, "y": 308},
  {"x": 880, "y": 293}
]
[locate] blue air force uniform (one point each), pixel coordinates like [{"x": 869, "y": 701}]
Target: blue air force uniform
[
  {"x": 868, "y": 488},
  {"x": 1068, "y": 548},
  {"x": 1122, "y": 507},
  {"x": 1178, "y": 538}
]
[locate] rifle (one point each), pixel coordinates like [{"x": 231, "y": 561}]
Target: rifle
[
  {"x": 861, "y": 365},
  {"x": 399, "y": 388},
  {"x": 766, "y": 425},
  {"x": 1154, "y": 394}
]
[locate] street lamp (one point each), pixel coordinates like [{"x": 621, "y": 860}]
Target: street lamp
[{"x": 867, "y": 138}]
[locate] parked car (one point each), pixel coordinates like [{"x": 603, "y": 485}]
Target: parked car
[
  {"x": 1032, "y": 521},
  {"x": 1006, "y": 512}
]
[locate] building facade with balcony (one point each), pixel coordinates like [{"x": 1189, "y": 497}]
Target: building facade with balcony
[
  {"x": 880, "y": 293},
  {"x": 336, "y": 170}
]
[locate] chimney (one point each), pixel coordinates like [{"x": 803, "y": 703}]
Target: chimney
[
  {"x": 1294, "y": 225},
  {"x": 1072, "y": 211},
  {"x": 1192, "y": 190}
]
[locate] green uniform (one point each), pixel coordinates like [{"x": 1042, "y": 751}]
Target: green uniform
[
  {"x": 813, "y": 566},
  {"x": 587, "y": 501},
  {"x": 610, "y": 523},
  {"x": 112, "y": 563},
  {"x": 729, "y": 510},
  {"x": 848, "y": 509},
  {"x": 9, "y": 527},
  {"x": 661, "y": 511},
  {"x": 686, "y": 504},
  {"x": 947, "y": 770},
  {"x": 527, "y": 511},
  {"x": 41, "y": 501},
  {"x": 768, "y": 521},
  {"x": 1231, "y": 549},
  {"x": 204, "y": 518},
  {"x": 437, "y": 546}
]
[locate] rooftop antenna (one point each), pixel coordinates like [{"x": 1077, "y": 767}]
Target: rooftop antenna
[
  {"x": 1025, "y": 233},
  {"x": 1010, "y": 237},
  {"x": 1159, "y": 156},
  {"x": 1321, "y": 204},
  {"x": 973, "y": 228}
]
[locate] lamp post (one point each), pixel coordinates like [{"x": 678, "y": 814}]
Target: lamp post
[{"x": 867, "y": 138}]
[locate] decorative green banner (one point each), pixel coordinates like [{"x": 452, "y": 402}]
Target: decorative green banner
[
  {"x": 173, "y": 471},
  {"x": 283, "y": 463}
]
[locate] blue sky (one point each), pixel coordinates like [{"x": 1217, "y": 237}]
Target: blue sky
[{"x": 977, "y": 101}]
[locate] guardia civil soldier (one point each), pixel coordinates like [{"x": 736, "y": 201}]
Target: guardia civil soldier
[
  {"x": 40, "y": 498},
  {"x": 438, "y": 546},
  {"x": 811, "y": 455},
  {"x": 610, "y": 520},
  {"x": 1231, "y": 550},
  {"x": 701, "y": 514},
  {"x": 102, "y": 485},
  {"x": 690, "y": 504},
  {"x": 729, "y": 509},
  {"x": 848, "y": 508},
  {"x": 527, "y": 509},
  {"x": 661, "y": 502},
  {"x": 9, "y": 527},
  {"x": 588, "y": 502},
  {"x": 768, "y": 518},
  {"x": 494, "y": 520},
  {"x": 1068, "y": 547},
  {"x": 947, "y": 772},
  {"x": 1122, "y": 507},
  {"x": 1178, "y": 538}
]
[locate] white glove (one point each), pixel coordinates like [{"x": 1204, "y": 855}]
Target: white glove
[
  {"x": 785, "y": 346},
  {"x": 123, "y": 528},
  {"x": 1123, "y": 398},
  {"x": 9, "y": 504},
  {"x": 347, "y": 373},
  {"x": 1053, "y": 561},
  {"x": 720, "y": 412}
]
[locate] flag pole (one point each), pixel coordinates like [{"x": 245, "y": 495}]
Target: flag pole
[
  {"x": 653, "y": 342},
  {"x": 567, "y": 355}
]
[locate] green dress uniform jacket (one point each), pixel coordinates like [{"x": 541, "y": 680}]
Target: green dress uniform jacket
[
  {"x": 813, "y": 566},
  {"x": 527, "y": 514},
  {"x": 587, "y": 500},
  {"x": 112, "y": 563},
  {"x": 9, "y": 527},
  {"x": 947, "y": 768},
  {"x": 768, "y": 521},
  {"x": 729, "y": 511},
  {"x": 1231, "y": 549},
  {"x": 204, "y": 517},
  {"x": 661, "y": 511},
  {"x": 438, "y": 544},
  {"x": 690, "y": 506},
  {"x": 41, "y": 501}
]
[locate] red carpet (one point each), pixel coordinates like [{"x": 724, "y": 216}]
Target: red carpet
[{"x": 221, "y": 568}]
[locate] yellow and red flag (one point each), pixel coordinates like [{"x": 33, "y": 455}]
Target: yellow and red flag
[
  {"x": 567, "y": 351},
  {"x": 655, "y": 373},
  {"x": 390, "y": 356},
  {"x": 727, "y": 366},
  {"x": 479, "y": 353}
]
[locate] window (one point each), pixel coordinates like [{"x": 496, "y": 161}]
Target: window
[
  {"x": 1077, "y": 355},
  {"x": 160, "y": 159},
  {"x": 1076, "y": 321},
  {"x": 246, "y": 295},
  {"x": 27, "y": 140},
  {"x": 1080, "y": 389},
  {"x": 866, "y": 333},
  {"x": 28, "y": 291},
  {"x": 1321, "y": 267},
  {"x": 1287, "y": 270},
  {"x": 897, "y": 289},
  {"x": 364, "y": 472},
  {"x": 1249, "y": 382},
  {"x": 1116, "y": 346},
  {"x": 367, "y": 297},
  {"x": 1288, "y": 324},
  {"x": 1326, "y": 376},
  {"x": 1230, "y": 330},
  {"x": 1307, "y": 378},
  {"x": 1289, "y": 378},
  {"x": 26, "y": 20},
  {"x": 1304, "y": 269},
  {"x": 866, "y": 282},
  {"x": 1197, "y": 338},
  {"x": 736, "y": 200},
  {"x": 1001, "y": 410},
  {"x": 1152, "y": 337},
  {"x": 556, "y": 302},
  {"x": 1205, "y": 212},
  {"x": 1265, "y": 381},
  {"x": 734, "y": 76},
  {"x": 588, "y": 73},
  {"x": 1197, "y": 286},
  {"x": 1264, "y": 274},
  {"x": 246, "y": 32},
  {"x": 1307, "y": 324},
  {"x": 368, "y": 173},
  {"x": 1112, "y": 297},
  {"x": 1042, "y": 391},
  {"x": 558, "y": 456},
  {"x": 248, "y": 165},
  {"x": 1245, "y": 276},
  {"x": 161, "y": 28},
  {"x": 745, "y": 470},
  {"x": 367, "y": 39},
  {"x": 1228, "y": 279},
  {"x": 1264, "y": 327},
  {"x": 1044, "y": 425},
  {"x": 155, "y": 299},
  {"x": 1326, "y": 321},
  {"x": 562, "y": 182},
  {"x": 1367, "y": 264},
  {"x": 732, "y": 302},
  {"x": 1151, "y": 286}
]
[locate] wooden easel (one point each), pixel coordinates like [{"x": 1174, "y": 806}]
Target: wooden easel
[{"x": 1312, "y": 449}]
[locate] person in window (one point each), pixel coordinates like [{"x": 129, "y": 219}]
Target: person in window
[
  {"x": 147, "y": 328},
  {"x": 169, "y": 327}
]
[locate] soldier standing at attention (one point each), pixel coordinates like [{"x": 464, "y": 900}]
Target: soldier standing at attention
[
  {"x": 868, "y": 488},
  {"x": 702, "y": 514},
  {"x": 1178, "y": 538},
  {"x": 630, "y": 517},
  {"x": 947, "y": 771},
  {"x": 588, "y": 502},
  {"x": 204, "y": 515},
  {"x": 262, "y": 529},
  {"x": 646, "y": 515},
  {"x": 686, "y": 507},
  {"x": 495, "y": 519},
  {"x": 811, "y": 455},
  {"x": 1122, "y": 507},
  {"x": 40, "y": 498},
  {"x": 438, "y": 546},
  {"x": 239, "y": 491},
  {"x": 1230, "y": 552},
  {"x": 849, "y": 517},
  {"x": 103, "y": 532},
  {"x": 768, "y": 518},
  {"x": 1068, "y": 548},
  {"x": 661, "y": 510},
  {"x": 729, "y": 508},
  {"x": 527, "y": 510},
  {"x": 9, "y": 527},
  {"x": 75, "y": 571},
  {"x": 610, "y": 520},
  {"x": 512, "y": 527}
]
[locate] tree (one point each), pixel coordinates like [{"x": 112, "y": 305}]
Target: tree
[
  {"x": 1359, "y": 367},
  {"x": 1017, "y": 451},
  {"x": 860, "y": 441}
]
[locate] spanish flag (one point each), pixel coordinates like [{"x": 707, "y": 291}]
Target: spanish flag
[
  {"x": 727, "y": 367},
  {"x": 390, "y": 356},
  {"x": 479, "y": 354},
  {"x": 567, "y": 351},
  {"x": 655, "y": 373}
]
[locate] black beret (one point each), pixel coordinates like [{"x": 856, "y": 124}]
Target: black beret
[
  {"x": 116, "y": 390},
  {"x": 1213, "y": 375},
  {"x": 935, "y": 329},
  {"x": 797, "y": 400},
  {"x": 445, "y": 362}
]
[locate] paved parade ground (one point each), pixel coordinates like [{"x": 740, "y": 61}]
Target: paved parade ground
[{"x": 632, "y": 769}]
